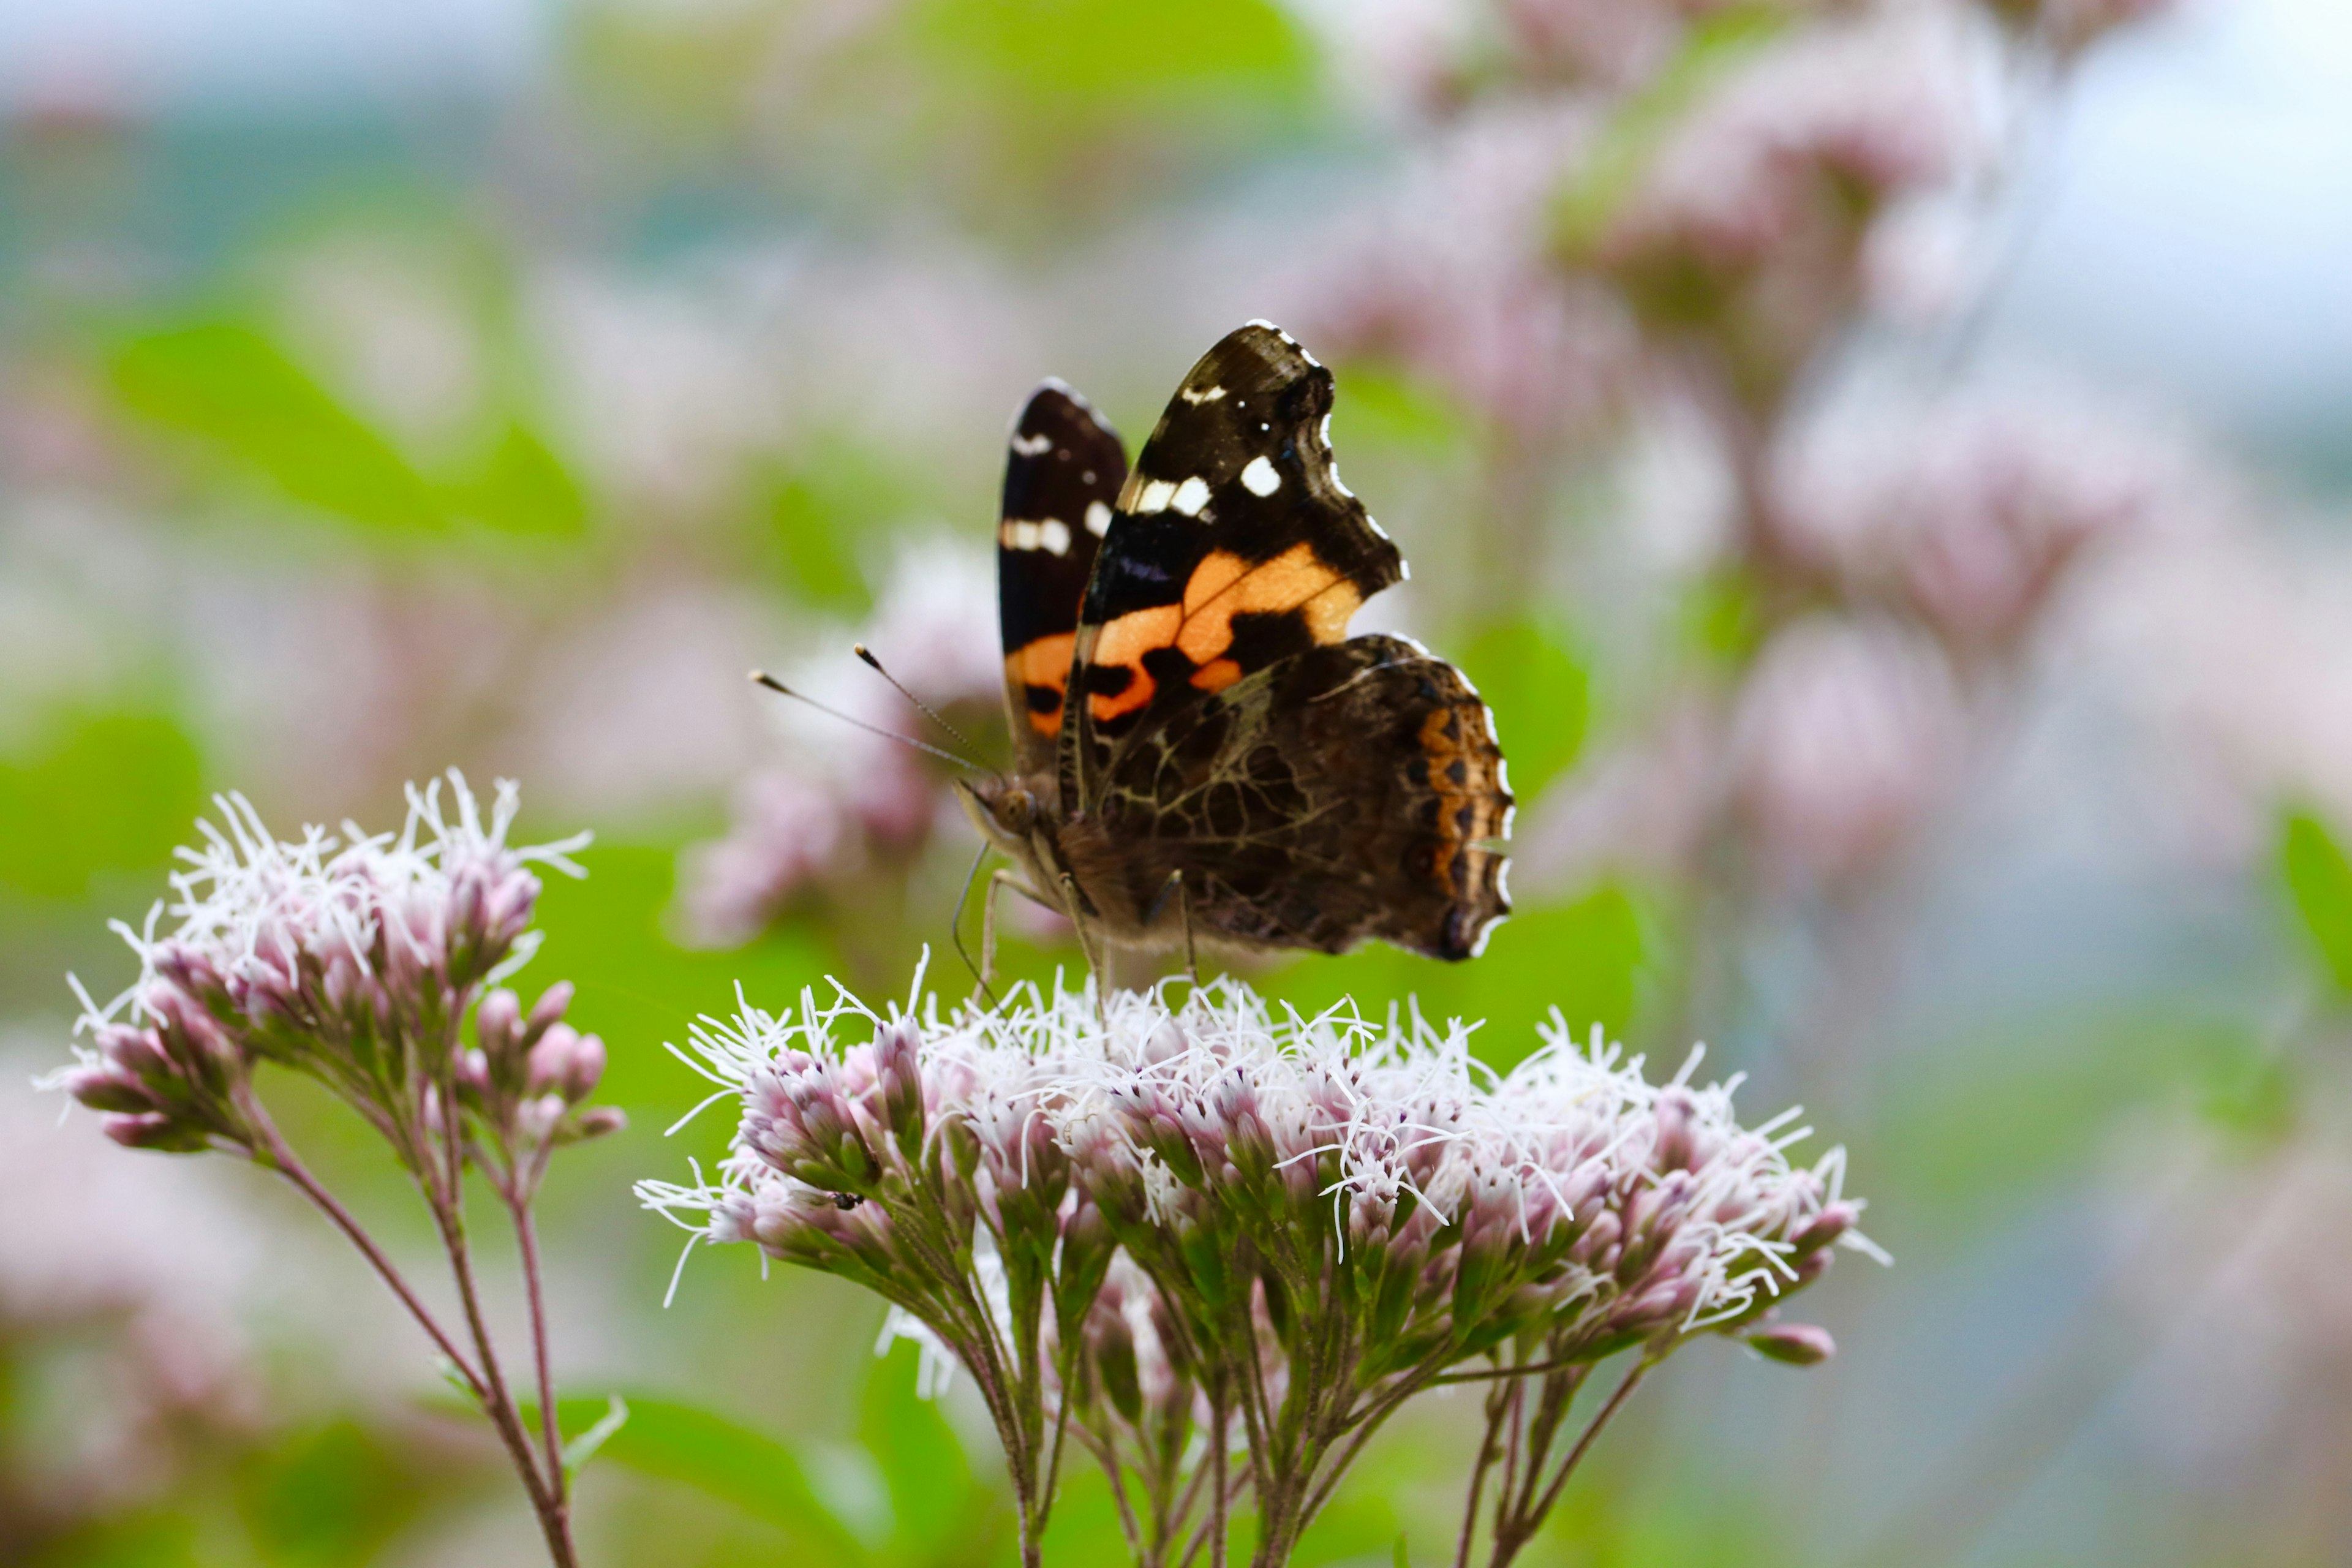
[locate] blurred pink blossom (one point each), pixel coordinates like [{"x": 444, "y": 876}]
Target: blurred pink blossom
[
  {"x": 1449, "y": 273},
  {"x": 142, "y": 1261},
  {"x": 833, "y": 796},
  {"x": 1967, "y": 512},
  {"x": 1749, "y": 227},
  {"x": 1844, "y": 113},
  {"x": 1842, "y": 738},
  {"x": 2234, "y": 647},
  {"x": 640, "y": 706}
]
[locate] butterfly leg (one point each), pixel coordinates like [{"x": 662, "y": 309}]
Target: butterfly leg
[
  {"x": 1174, "y": 887},
  {"x": 980, "y": 970},
  {"x": 1086, "y": 946}
]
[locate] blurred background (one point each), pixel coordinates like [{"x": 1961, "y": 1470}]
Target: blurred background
[{"x": 1887, "y": 462}]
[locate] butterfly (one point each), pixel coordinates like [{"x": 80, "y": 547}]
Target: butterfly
[{"x": 1202, "y": 751}]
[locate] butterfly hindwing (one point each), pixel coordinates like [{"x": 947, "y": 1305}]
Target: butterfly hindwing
[
  {"x": 1232, "y": 545},
  {"x": 1063, "y": 471},
  {"x": 1351, "y": 791}
]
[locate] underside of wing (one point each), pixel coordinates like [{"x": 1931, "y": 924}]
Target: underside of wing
[
  {"x": 1232, "y": 546},
  {"x": 1350, "y": 792},
  {"x": 1063, "y": 471}
]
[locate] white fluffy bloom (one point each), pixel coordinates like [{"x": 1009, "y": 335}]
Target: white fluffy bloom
[
  {"x": 1358, "y": 1132},
  {"x": 349, "y": 957}
]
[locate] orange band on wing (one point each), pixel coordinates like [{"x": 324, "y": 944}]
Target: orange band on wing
[
  {"x": 1223, "y": 586},
  {"x": 1121, "y": 644},
  {"x": 1044, "y": 662}
]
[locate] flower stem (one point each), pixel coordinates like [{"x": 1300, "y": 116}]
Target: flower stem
[
  {"x": 550, "y": 1431},
  {"x": 1515, "y": 1534},
  {"x": 283, "y": 1160}
]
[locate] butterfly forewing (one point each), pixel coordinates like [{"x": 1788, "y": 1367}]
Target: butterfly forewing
[
  {"x": 1063, "y": 471},
  {"x": 1233, "y": 545}
]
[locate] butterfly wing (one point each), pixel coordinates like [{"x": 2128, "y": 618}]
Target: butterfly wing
[
  {"x": 1062, "y": 470},
  {"x": 1232, "y": 545},
  {"x": 1347, "y": 791}
]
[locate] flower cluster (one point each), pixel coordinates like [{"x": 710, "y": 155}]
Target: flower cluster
[
  {"x": 1263, "y": 1230},
  {"x": 352, "y": 959},
  {"x": 355, "y": 961}
]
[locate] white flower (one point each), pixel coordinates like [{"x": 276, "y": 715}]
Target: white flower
[{"x": 351, "y": 957}]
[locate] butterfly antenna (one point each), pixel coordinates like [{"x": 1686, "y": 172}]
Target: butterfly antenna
[
  {"x": 761, "y": 677},
  {"x": 927, "y": 712}
]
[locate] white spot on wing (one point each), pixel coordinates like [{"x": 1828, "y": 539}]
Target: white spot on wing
[
  {"x": 1097, "y": 519},
  {"x": 1197, "y": 398},
  {"x": 1191, "y": 496},
  {"x": 1154, "y": 496},
  {"x": 1374, "y": 523},
  {"x": 1510, "y": 815},
  {"x": 1260, "y": 477},
  {"x": 1340, "y": 484},
  {"x": 1055, "y": 535},
  {"x": 1031, "y": 445},
  {"x": 1323, "y": 432},
  {"x": 1404, "y": 570}
]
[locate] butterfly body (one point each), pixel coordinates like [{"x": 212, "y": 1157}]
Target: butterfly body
[{"x": 1205, "y": 755}]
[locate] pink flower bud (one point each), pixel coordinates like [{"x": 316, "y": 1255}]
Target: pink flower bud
[
  {"x": 604, "y": 1119},
  {"x": 1825, "y": 1227},
  {"x": 587, "y": 1068},
  {"x": 551, "y": 1059},
  {"x": 101, "y": 1089},
  {"x": 498, "y": 1023},
  {"x": 155, "y": 1130},
  {"x": 547, "y": 1010}
]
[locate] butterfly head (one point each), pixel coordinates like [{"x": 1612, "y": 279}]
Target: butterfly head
[{"x": 1001, "y": 807}]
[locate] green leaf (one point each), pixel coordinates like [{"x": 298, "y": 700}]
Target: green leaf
[
  {"x": 670, "y": 1440},
  {"x": 523, "y": 488},
  {"x": 933, "y": 1494},
  {"x": 1383, "y": 408},
  {"x": 237, "y": 392},
  {"x": 1401, "y": 1558},
  {"x": 1589, "y": 958},
  {"x": 2319, "y": 881},
  {"x": 608, "y": 934},
  {"x": 1060, "y": 54},
  {"x": 1540, "y": 692},
  {"x": 96, "y": 793},
  {"x": 330, "y": 1495}
]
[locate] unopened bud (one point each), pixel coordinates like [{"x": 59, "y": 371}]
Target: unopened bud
[
  {"x": 153, "y": 1130},
  {"x": 1799, "y": 1344},
  {"x": 102, "y": 1090},
  {"x": 546, "y": 1011},
  {"x": 587, "y": 1068},
  {"x": 1825, "y": 1227},
  {"x": 550, "y": 1059},
  {"x": 498, "y": 1023},
  {"x": 595, "y": 1123}
]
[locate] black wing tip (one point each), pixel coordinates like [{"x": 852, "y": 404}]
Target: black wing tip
[
  {"x": 1053, "y": 393},
  {"x": 1259, "y": 325}
]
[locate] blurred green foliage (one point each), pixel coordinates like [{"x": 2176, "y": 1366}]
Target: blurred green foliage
[
  {"x": 245, "y": 403},
  {"x": 1061, "y": 59},
  {"x": 110, "y": 790},
  {"x": 235, "y": 391},
  {"x": 1590, "y": 959},
  {"x": 609, "y": 933},
  {"x": 2318, "y": 876}
]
